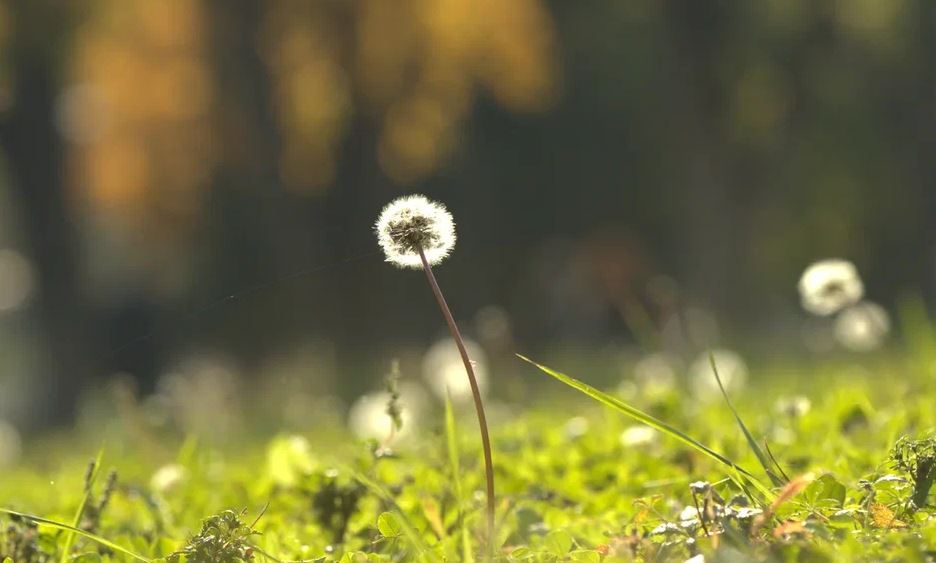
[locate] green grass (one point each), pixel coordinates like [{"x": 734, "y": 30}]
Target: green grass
[{"x": 565, "y": 492}]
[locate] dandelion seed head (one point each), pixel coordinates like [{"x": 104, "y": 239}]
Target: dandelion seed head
[
  {"x": 168, "y": 477},
  {"x": 732, "y": 370},
  {"x": 862, "y": 327},
  {"x": 576, "y": 427},
  {"x": 638, "y": 435},
  {"x": 830, "y": 285},
  {"x": 444, "y": 371},
  {"x": 412, "y": 222},
  {"x": 368, "y": 417}
]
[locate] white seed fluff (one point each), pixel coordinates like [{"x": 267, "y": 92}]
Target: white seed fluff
[
  {"x": 862, "y": 327},
  {"x": 830, "y": 285},
  {"x": 412, "y": 222}
]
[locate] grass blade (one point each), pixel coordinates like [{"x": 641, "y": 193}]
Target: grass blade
[
  {"x": 451, "y": 435},
  {"x": 76, "y": 523},
  {"x": 650, "y": 421},
  {"x": 60, "y": 526},
  {"x": 752, "y": 443}
]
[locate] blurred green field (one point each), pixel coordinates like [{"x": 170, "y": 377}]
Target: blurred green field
[{"x": 576, "y": 481}]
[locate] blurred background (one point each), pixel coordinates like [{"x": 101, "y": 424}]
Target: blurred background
[{"x": 188, "y": 187}]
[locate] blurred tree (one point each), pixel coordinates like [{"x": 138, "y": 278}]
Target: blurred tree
[{"x": 38, "y": 34}]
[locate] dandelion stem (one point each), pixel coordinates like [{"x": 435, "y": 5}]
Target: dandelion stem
[{"x": 475, "y": 392}]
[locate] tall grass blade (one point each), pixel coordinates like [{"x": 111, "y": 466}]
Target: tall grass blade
[
  {"x": 652, "y": 422},
  {"x": 60, "y": 526},
  {"x": 451, "y": 435},
  {"x": 76, "y": 522},
  {"x": 752, "y": 443}
]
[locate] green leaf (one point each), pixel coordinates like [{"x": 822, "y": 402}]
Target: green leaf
[
  {"x": 653, "y": 422},
  {"x": 825, "y": 492},
  {"x": 585, "y": 556},
  {"x": 389, "y": 525},
  {"x": 558, "y": 542},
  {"x": 752, "y": 443},
  {"x": 522, "y": 554},
  {"x": 7, "y": 560}
]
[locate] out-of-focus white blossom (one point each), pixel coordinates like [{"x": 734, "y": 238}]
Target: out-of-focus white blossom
[
  {"x": 576, "y": 427},
  {"x": 732, "y": 370},
  {"x": 368, "y": 417},
  {"x": 794, "y": 407},
  {"x": 862, "y": 327},
  {"x": 443, "y": 369},
  {"x": 655, "y": 374},
  {"x": 168, "y": 477},
  {"x": 638, "y": 435},
  {"x": 830, "y": 285}
]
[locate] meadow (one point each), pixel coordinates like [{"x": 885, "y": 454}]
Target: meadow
[
  {"x": 830, "y": 459},
  {"x": 847, "y": 477}
]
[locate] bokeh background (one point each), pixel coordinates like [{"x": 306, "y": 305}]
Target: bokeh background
[{"x": 188, "y": 187}]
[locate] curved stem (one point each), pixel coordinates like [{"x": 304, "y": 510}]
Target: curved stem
[{"x": 475, "y": 392}]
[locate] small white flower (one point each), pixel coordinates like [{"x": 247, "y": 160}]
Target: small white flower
[
  {"x": 638, "y": 435},
  {"x": 732, "y": 370},
  {"x": 412, "y": 222},
  {"x": 862, "y": 327},
  {"x": 167, "y": 477},
  {"x": 368, "y": 417},
  {"x": 443, "y": 369},
  {"x": 794, "y": 407},
  {"x": 576, "y": 427},
  {"x": 829, "y": 285},
  {"x": 655, "y": 374}
]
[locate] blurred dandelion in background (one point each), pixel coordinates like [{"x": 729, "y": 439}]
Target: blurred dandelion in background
[
  {"x": 576, "y": 427},
  {"x": 369, "y": 418},
  {"x": 655, "y": 374},
  {"x": 828, "y": 286},
  {"x": 443, "y": 369},
  {"x": 793, "y": 407},
  {"x": 638, "y": 435},
  {"x": 862, "y": 327},
  {"x": 732, "y": 369},
  {"x": 168, "y": 477}
]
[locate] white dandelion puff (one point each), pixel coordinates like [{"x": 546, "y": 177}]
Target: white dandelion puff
[
  {"x": 444, "y": 372},
  {"x": 369, "y": 419},
  {"x": 410, "y": 223},
  {"x": 576, "y": 427},
  {"x": 655, "y": 374},
  {"x": 830, "y": 285},
  {"x": 862, "y": 327},
  {"x": 168, "y": 477},
  {"x": 732, "y": 370},
  {"x": 638, "y": 435}
]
